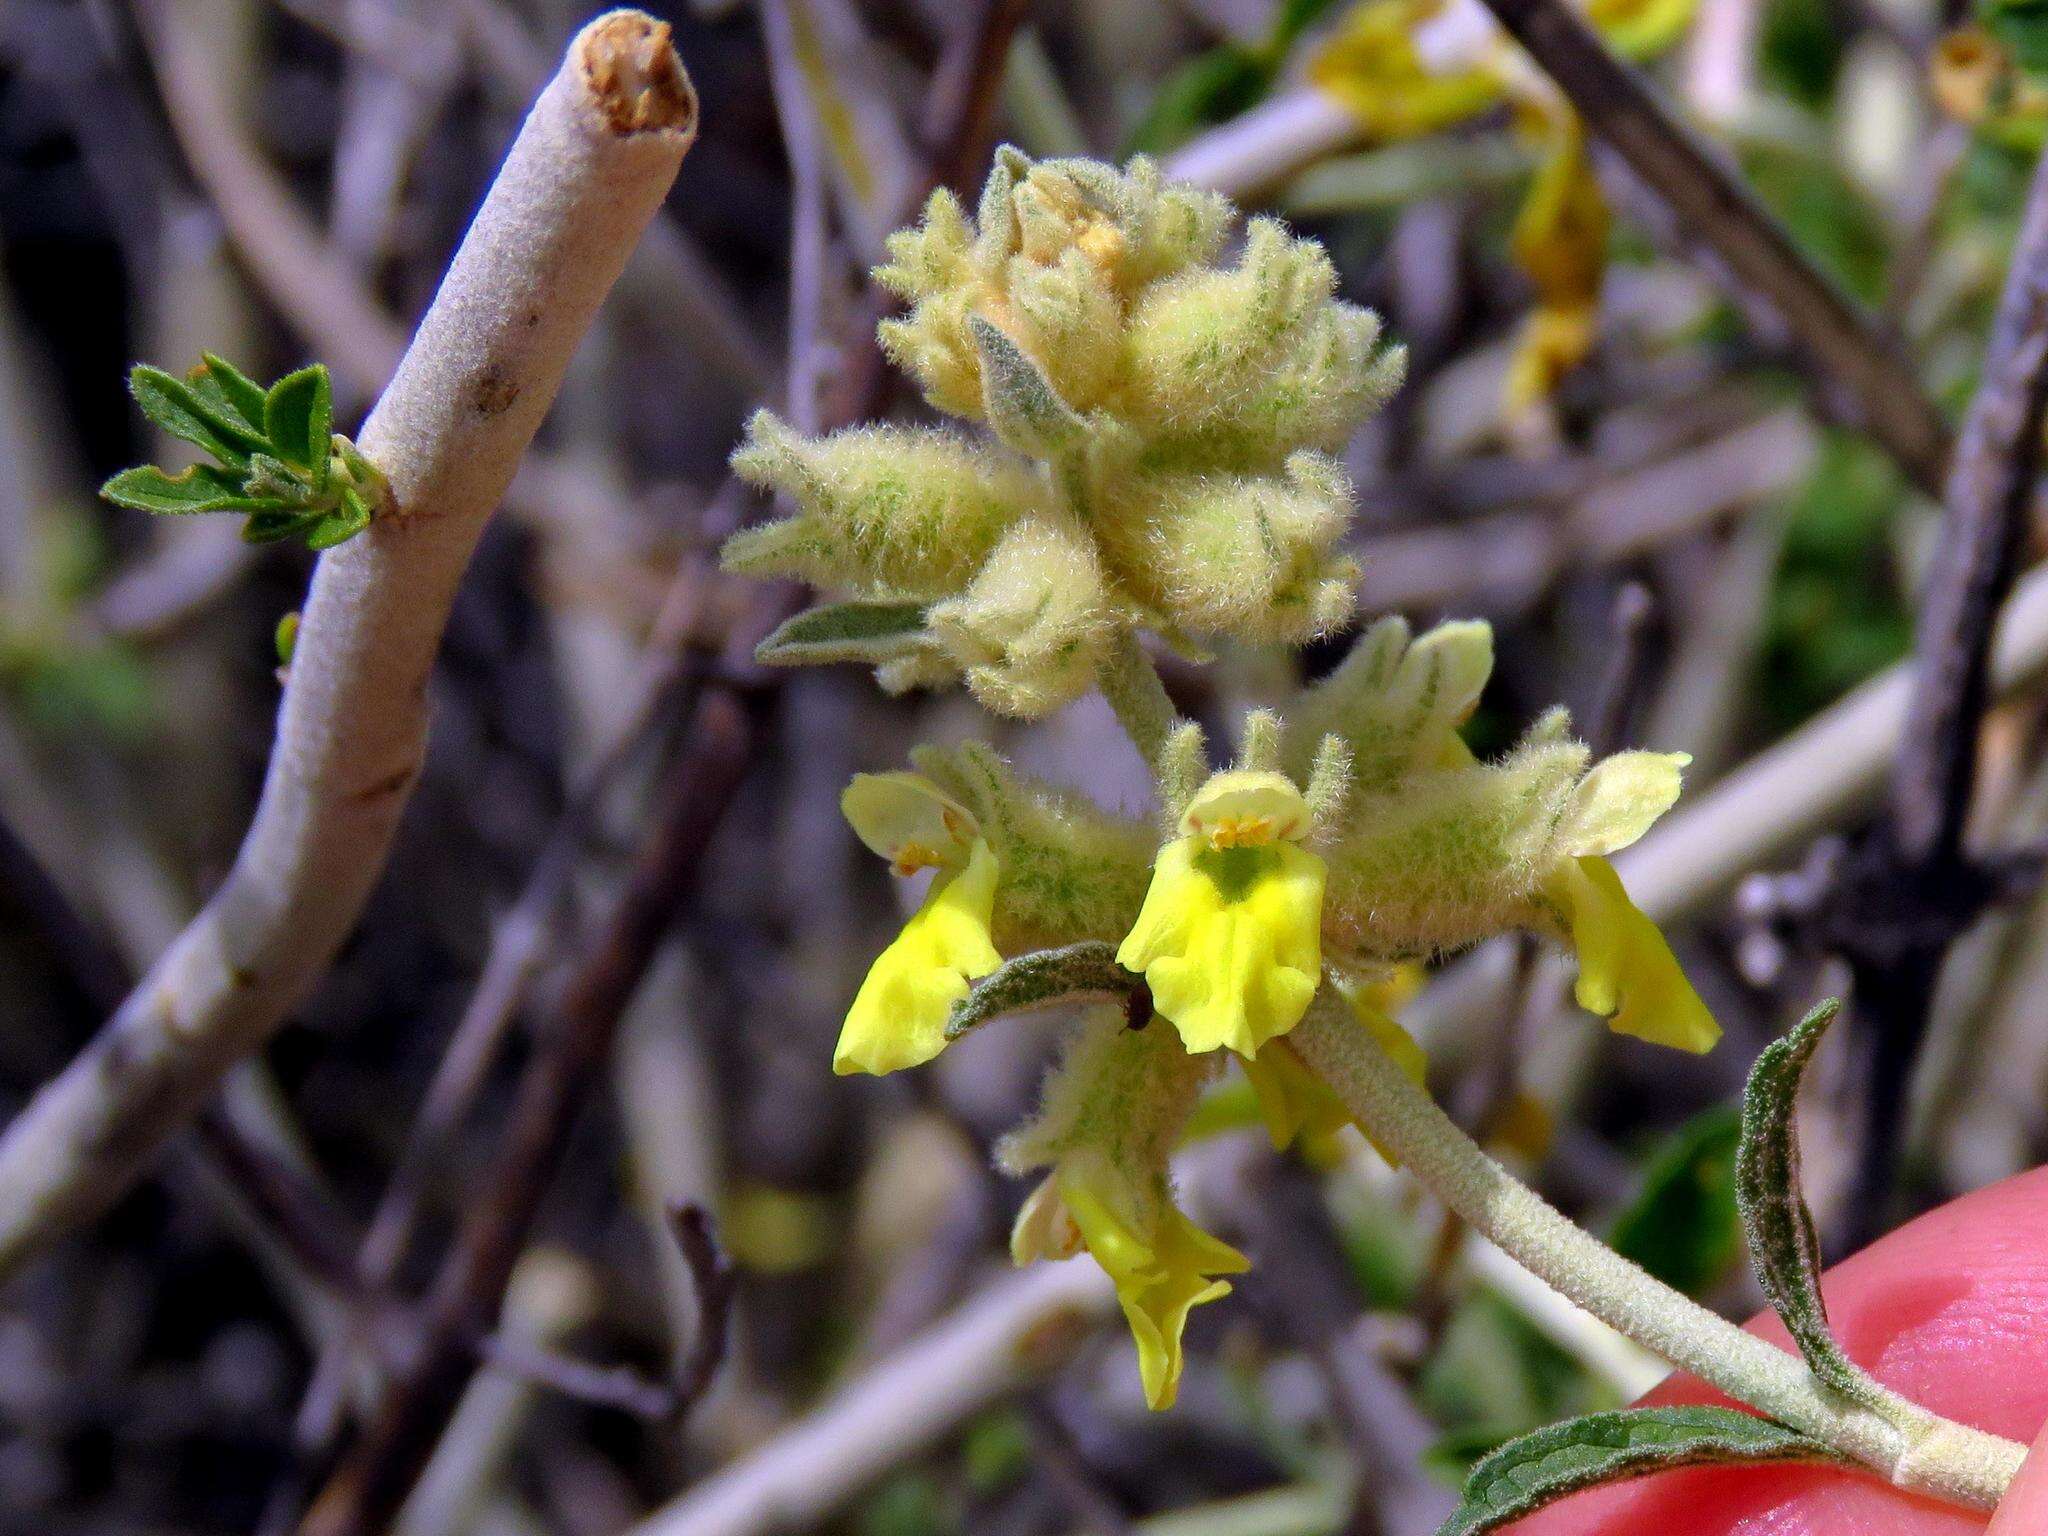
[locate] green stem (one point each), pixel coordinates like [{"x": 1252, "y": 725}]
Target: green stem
[
  {"x": 1903, "y": 1442},
  {"x": 1130, "y": 682}
]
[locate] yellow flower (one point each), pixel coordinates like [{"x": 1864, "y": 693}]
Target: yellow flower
[
  {"x": 1411, "y": 67},
  {"x": 1626, "y": 970},
  {"x": 898, "y": 1019},
  {"x": 1162, "y": 1264},
  {"x": 1229, "y": 937},
  {"x": 1560, "y": 240}
]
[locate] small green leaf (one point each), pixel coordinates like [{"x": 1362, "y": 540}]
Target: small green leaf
[
  {"x": 298, "y": 417},
  {"x": 191, "y": 417},
  {"x": 1541, "y": 1468},
  {"x": 1023, "y": 408},
  {"x": 272, "y": 524},
  {"x": 867, "y": 632},
  {"x": 1046, "y": 978},
  {"x": 324, "y": 530},
  {"x": 222, "y": 380},
  {"x": 201, "y": 488},
  {"x": 286, "y": 637},
  {"x": 1782, "y": 1244}
]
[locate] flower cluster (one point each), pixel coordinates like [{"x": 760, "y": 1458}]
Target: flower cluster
[
  {"x": 1350, "y": 841},
  {"x": 1157, "y": 438}
]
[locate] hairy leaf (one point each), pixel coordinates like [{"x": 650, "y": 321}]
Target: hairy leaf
[
  {"x": 1540, "y": 1468},
  {"x": 221, "y": 379},
  {"x": 298, "y": 417},
  {"x": 1023, "y": 408},
  {"x": 1782, "y": 1244},
  {"x": 1046, "y": 978},
  {"x": 324, "y": 530},
  {"x": 191, "y": 417},
  {"x": 201, "y": 488},
  {"x": 867, "y": 632}
]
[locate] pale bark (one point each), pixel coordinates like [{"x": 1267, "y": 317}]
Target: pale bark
[{"x": 590, "y": 167}]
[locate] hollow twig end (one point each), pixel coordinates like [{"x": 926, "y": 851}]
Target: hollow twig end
[{"x": 635, "y": 80}]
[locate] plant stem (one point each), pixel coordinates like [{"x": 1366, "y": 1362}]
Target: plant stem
[
  {"x": 1909, "y": 1446},
  {"x": 587, "y": 172},
  {"x": 1130, "y": 682}
]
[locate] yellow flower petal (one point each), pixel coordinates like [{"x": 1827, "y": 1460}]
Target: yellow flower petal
[
  {"x": 1160, "y": 1277},
  {"x": 1246, "y": 808},
  {"x": 1230, "y": 941},
  {"x": 898, "y": 1019},
  {"x": 1408, "y": 67},
  {"x": 1641, "y": 29},
  {"x": 1626, "y": 970},
  {"x": 1293, "y": 1101},
  {"x": 908, "y": 820}
]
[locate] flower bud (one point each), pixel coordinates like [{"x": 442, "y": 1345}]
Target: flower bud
[
  {"x": 1242, "y": 367},
  {"x": 885, "y": 509},
  {"x": 1025, "y": 630},
  {"x": 1253, "y": 556}
]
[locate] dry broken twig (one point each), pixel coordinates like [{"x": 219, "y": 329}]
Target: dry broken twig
[{"x": 588, "y": 170}]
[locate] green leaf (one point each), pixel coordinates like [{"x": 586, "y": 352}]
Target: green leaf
[
  {"x": 1538, "y": 1469},
  {"x": 1683, "y": 1226},
  {"x": 201, "y": 488},
  {"x": 324, "y": 530},
  {"x": 2022, "y": 25},
  {"x": 222, "y": 380},
  {"x": 1046, "y": 978},
  {"x": 1023, "y": 408},
  {"x": 298, "y": 417},
  {"x": 1782, "y": 1244},
  {"x": 868, "y": 632},
  {"x": 191, "y": 417},
  {"x": 274, "y": 523}
]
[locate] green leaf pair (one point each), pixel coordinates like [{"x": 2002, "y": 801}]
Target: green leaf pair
[
  {"x": 1537, "y": 1469},
  {"x": 278, "y": 459}
]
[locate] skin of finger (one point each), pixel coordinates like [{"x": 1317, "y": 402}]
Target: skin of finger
[
  {"x": 1951, "y": 1310},
  {"x": 2025, "y": 1509}
]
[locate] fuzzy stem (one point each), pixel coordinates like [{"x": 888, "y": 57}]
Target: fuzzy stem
[
  {"x": 1901, "y": 1441},
  {"x": 1130, "y": 682},
  {"x": 587, "y": 172}
]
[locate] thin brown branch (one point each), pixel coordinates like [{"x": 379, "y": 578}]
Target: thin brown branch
[
  {"x": 715, "y": 1282},
  {"x": 1858, "y": 367},
  {"x": 1912, "y": 888}
]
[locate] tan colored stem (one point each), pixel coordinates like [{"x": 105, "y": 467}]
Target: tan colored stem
[{"x": 588, "y": 170}]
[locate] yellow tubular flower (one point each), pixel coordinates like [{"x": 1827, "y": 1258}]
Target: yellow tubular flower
[
  {"x": 898, "y": 1019},
  {"x": 1160, "y": 1275},
  {"x": 1627, "y": 972},
  {"x": 1230, "y": 935},
  {"x": 1560, "y": 240}
]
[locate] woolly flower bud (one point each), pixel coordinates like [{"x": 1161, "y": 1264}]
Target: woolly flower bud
[
  {"x": 1246, "y": 555},
  {"x": 1024, "y": 631},
  {"x": 907, "y": 512},
  {"x": 1054, "y": 255},
  {"x": 1244, "y": 366}
]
